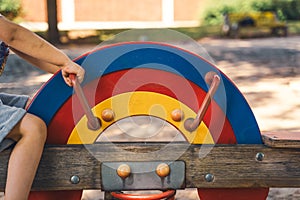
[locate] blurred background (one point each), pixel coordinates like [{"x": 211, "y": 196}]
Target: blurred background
[{"x": 63, "y": 21}]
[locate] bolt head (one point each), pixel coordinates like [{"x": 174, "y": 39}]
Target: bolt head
[
  {"x": 209, "y": 177},
  {"x": 75, "y": 179},
  {"x": 259, "y": 156}
]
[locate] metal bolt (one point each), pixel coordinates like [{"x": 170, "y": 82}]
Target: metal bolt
[
  {"x": 259, "y": 156},
  {"x": 75, "y": 179},
  {"x": 209, "y": 177}
]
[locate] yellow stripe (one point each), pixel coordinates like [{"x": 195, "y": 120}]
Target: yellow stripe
[{"x": 140, "y": 103}]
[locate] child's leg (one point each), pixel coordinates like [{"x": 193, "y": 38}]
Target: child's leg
[{"x": 30, "y": 134}]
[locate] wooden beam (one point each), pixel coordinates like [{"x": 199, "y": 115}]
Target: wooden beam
[
  {"x": 282, "y": 139},
  {"x": 231, "y": 166}
]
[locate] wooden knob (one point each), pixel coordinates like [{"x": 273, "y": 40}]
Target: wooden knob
[
  {"x": 163, "y": 170},
  {"x": 177, "y": 115},
  {"x": 123, "y": 171},
  {"x": 108, "y": 115},
  {"x": 209, "y": 76}
]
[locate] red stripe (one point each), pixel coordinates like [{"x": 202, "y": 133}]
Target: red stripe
[{"x": 150, "y": 80}]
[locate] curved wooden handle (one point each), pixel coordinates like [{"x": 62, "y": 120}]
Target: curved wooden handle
[
  {"x": 214, "y": 80},
  {"x": 94, "y": 123}
]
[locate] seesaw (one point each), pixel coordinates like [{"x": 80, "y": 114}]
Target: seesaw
[{"x": 223, "y": 154}]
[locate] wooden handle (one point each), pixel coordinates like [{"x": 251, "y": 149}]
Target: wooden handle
[
  {"x": 214, "y": 80},
  {"x": 94, "y": 123}
]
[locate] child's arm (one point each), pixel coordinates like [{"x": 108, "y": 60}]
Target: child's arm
[
  {"x": 29, "y": 45},
  {"x": 48, "y": 67}
]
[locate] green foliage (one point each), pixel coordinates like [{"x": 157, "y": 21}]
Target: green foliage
[
  {"x": 216, "y": 9},
  {"x": 10, "y": 8},
  {"x": 214, "y": 16},
  {"x": 285, "y": 9},
  {"x": 289, "y": 9}
]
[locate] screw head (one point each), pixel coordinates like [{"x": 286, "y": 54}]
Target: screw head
[
  {"x": 75, "y": 179},
  {"x": 259, "y": 156},
  {"x": 209, "y": 177}
]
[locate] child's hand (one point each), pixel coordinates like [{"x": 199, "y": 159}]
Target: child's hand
[{"x": 72, "y": 68}]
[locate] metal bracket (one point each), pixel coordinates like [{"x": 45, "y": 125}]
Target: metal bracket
[{"x": 142, "y": 176}]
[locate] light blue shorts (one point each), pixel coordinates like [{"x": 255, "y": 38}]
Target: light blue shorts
[{"x": 12, "y": 110}]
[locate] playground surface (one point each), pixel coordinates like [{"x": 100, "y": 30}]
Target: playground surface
[{"x": 266, "y": 70}]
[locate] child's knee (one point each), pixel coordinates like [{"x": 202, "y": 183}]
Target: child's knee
[
  {"x": 35, "y": 127},
  {"x": 30, "y": 126}
]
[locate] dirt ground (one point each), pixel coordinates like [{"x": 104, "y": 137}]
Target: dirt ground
[{"x": 266, "y": 70}]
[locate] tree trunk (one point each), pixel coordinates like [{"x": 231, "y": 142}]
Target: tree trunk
[{"x": 53, "y": 33}]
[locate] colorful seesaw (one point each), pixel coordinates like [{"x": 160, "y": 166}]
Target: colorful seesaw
[{"x": 223, "y": 155}]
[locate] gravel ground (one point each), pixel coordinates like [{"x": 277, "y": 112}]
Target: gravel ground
[{"x": 266, "y": 70}]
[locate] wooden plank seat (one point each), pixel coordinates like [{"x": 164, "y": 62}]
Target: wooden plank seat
[{"x": 206, "y": 166}]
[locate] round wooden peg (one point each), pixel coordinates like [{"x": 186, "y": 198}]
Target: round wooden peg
[
  {"x": 163, "y": 170},
  {"x": 108, "y": 115},
  {"x": 209, "y": 76},
  {"x": 177, "y": 115},
  {"x": 123, "y": 171}
]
